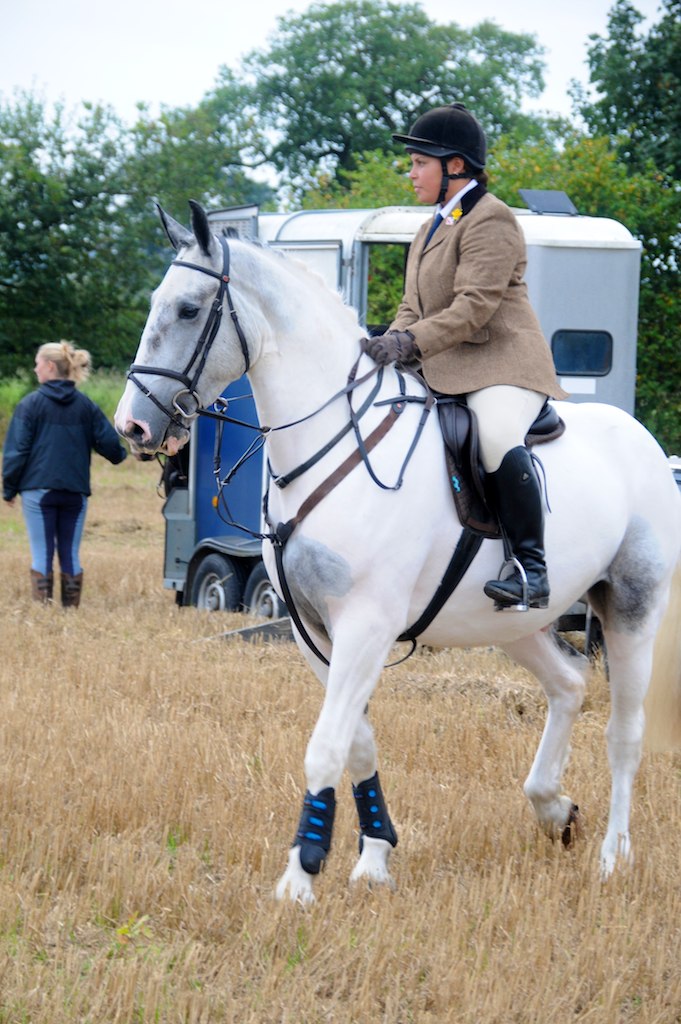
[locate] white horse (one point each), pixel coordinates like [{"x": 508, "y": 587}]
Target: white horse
[{"x": 363, "y": 562}]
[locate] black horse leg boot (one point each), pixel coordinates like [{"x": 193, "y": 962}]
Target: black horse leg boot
[{"x": 517, "y": 499}]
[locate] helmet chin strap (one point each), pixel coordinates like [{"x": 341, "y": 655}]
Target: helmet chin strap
[{"x": 446, "y": 178}]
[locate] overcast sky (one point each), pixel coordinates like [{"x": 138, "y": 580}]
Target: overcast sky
[{"x": 169, "y": 51}]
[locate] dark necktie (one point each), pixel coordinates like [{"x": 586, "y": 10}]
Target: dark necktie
[{"x": 437, "y": 220}]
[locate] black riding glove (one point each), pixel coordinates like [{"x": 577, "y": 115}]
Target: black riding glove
[{"x": 393, "y": 347}]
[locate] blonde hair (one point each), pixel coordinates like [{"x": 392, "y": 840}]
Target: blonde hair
[{"x": 72, "y": 363}]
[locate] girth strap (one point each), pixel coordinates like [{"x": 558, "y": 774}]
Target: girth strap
[{"x": 465, "y": 551}]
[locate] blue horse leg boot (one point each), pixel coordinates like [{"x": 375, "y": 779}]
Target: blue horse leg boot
[
  {"x": 374, "y": 820},
  {"x": 315, "y": 829}
]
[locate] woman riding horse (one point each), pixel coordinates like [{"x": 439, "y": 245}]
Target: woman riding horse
[{"x": 466, "y": 317}]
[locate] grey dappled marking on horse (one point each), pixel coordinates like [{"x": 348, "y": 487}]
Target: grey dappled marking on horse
[{"x": 365, "y": 561}]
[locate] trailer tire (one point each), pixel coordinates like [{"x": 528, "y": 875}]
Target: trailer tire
[
  {"x": 260, "y": 597},
  {"x": 216, "y": 584}
]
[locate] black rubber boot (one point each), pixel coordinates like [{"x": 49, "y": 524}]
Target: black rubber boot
[{"x": 517, "y": 499}]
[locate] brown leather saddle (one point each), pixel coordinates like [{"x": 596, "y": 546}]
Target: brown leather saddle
[{"x": 459, "y": 427}]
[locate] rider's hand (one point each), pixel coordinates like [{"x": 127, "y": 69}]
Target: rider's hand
[{"x": 393, "y": 347}]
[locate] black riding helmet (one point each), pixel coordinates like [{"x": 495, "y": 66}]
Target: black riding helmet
[{"x": 444, "y": 132}]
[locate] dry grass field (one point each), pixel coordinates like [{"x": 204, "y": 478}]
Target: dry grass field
[{"x": 150, "y": 784}]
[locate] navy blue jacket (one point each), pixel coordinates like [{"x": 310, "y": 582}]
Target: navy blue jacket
[{"x": 51, "y": 436}]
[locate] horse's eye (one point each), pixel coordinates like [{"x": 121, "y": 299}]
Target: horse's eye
[{"x": 189, "y": 312}]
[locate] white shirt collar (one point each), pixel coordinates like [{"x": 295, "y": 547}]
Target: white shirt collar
[{"x": 456, "y": 200}]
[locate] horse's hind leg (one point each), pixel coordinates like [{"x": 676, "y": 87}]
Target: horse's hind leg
[
  {"x": 562, "y": 673},
  {"x": 630, "y": 602},
  {"x": 630, "y": 663}
]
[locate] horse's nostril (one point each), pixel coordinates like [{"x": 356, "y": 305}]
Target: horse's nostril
[{"x": 135, "y": 431}]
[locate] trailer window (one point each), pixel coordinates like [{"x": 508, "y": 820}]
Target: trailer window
[
  {"x": 582, "y": 353},
  {"x": 385, "y": 281}
]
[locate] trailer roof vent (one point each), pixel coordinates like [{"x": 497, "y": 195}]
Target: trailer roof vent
[{"x": 548, "y": 201}]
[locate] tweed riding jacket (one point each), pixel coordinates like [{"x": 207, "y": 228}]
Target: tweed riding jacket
[{"x": 466, "y": 303}]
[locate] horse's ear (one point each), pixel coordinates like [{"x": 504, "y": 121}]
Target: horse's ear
[
  {"x": 201, "y": 227},
  {"x": 177, "y": 235}
]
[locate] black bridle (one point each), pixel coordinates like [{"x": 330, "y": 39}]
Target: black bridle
[{"x": 203, "y": 346}]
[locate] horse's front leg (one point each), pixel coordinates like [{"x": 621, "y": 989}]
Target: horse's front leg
[{"x": 342, "y": 736}]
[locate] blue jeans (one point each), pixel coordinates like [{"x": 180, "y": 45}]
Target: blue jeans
[{"x": 54, "y": 519}]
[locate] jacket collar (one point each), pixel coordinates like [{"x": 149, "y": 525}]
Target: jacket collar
[
  {"x": 468, "y": 201},
  {"x": 472, "y": 197}
]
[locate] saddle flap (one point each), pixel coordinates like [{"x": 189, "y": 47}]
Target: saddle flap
[
  {"x": 459, "y": 427},
  {"x": 460, "y": 434}
]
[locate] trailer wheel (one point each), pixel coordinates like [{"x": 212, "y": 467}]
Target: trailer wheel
[
  {"x": 216, "y": 586},
  {"x": 260, "y": 597}
]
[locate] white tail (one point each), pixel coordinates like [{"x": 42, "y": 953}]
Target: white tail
[{"x": 663, "y": 703}]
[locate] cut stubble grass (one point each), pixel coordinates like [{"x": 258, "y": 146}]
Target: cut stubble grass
[{"x": 150, "y": 783}]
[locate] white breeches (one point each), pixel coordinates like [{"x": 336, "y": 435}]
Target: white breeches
[{"x": 505, "y": 414}]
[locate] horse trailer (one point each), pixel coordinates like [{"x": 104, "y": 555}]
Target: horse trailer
[{"x": 583, "y": 281}]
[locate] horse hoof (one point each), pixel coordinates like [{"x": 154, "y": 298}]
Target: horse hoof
[
  {"x": 573, "y": 827},
  {"x": 295, "y": 884},
  {"x": 372, "y": 866}
]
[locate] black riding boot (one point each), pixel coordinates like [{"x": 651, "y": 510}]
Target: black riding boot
[{"x": 517, "y": 499}]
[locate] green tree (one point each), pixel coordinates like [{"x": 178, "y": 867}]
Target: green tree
[
  {"x": 637, "y": 79},
  {"x": 637, "y": 106},
  {"x": 189, "y": 153},
  {"x": 338, "y": 79},
  {"x": 80, "y": 243},
  {"x": 66, "y": 269},
  {"x": 182, "y": 154}
]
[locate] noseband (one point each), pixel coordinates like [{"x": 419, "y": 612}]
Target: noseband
[{"x": 203, "y": 346}]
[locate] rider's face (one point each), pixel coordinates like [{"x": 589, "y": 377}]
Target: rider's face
[{"x": 426, "y": 177}]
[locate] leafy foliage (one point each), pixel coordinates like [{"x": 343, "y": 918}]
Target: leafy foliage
[
  {"x": 339, "y": 79},
  {"x": 60, "y": 232},
  {"x": 638, "y": 84},
  {"x": 80, "y": 245}
]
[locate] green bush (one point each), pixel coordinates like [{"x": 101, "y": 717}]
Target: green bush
[
  {"x": 12, "y": 390},
  {"x": 104, "y": 387}
]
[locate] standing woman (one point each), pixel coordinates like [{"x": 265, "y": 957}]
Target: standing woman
[
  {"x": 46, "y": 459},
  {"x": 466, "y": 317}
]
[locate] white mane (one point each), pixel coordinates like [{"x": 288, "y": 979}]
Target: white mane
[{"x": 314, "y": 285}]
